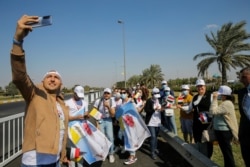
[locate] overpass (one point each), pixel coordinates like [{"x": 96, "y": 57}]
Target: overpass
[{"x": 173, "y": 150}]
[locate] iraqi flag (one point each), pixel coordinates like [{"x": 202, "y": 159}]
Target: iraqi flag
[
  {"x": 92, "y": 143},
  {"x": 133, "y": 126}
]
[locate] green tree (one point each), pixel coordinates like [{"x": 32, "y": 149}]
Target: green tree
[
  {"x": 11, "y": 89},
  {"x": 152, "y": 76},
  {"x": 133, "y": 80},
  {"x": 230, "y": 49}
]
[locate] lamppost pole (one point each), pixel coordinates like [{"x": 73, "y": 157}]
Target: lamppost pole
[{"x": 124, "y": 51}]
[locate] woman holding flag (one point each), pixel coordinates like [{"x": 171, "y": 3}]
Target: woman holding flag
[{"x": 132, "y": 127}]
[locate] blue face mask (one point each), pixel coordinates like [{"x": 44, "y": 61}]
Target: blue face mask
[
  {"x": 163, "y": 86},
  {"x": 123, "y": 96},
  {"x": 167, "y": 93},
  {"x": 184, "y": 92}
]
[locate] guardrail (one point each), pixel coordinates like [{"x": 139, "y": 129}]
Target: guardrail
[
  {"x": 187, "y": 151},
  {"x": 11, "y": 130},
  {"x": 12, "y": 137}
]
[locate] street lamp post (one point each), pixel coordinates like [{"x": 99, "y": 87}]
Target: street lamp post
[{"x": 124, "y": 50}]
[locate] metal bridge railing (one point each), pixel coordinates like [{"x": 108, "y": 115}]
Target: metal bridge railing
[{"x": 12, "y": 137}]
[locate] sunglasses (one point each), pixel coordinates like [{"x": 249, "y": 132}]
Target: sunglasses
[
  {"x": 106, "y": 93},
  {"x": 156, "y": 93},
  {"x": 123, "y": 93}
]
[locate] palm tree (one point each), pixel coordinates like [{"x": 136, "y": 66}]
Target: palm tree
[
  {"x": 133, "y": 80},
  {"x": 230, "y": 50},
  {"x": 152, "y": 76}
]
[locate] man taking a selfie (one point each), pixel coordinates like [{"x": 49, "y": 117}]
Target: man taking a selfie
[{"x": 46, "y": 116}]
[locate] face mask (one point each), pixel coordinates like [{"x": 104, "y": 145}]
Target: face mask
[
  {"x": 185, "y": 92},
  {"x": 117, "y": 95},
  {"x": 156, "y": 96},
  {"x": 167, "y": 93},
  {"x": 163, "y": 86},
  {"x": 123, "y": 96}
]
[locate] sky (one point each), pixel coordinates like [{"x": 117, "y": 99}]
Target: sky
[{"x": 85, "y": 43}]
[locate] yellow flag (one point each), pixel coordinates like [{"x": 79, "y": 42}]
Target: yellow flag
[
  {"x": 96, "y": 114},
  {"x": 75, "y": 135}
]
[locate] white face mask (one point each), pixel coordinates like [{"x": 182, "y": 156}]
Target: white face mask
[
  {"x": 156, "y": 96},
  {"x": 117, "y": 95}
]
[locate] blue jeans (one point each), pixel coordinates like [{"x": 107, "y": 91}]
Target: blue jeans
[
  {"x": 170, "y": 124},
  {"x": 106, "y": 126},
  {"x": 154, "y": 131}
]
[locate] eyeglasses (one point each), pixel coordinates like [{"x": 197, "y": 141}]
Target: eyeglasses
[
  {"x": 123, "y": 93},
  {"x": 106, "y": 93}
]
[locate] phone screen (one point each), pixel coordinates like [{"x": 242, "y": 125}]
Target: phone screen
[{"x": 42, "y": 21}]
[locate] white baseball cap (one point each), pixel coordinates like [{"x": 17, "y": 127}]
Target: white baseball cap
[
  {"x": 186, "y": 87},
  {"x": 167, "y": 88},
  {"x": 79, "y": 90},
  {"x": 200, "y": 82},
  {"x": 224, "y": 90},
  {"x": 164, "y": 82},
  {"x": 108, "y": 90}
]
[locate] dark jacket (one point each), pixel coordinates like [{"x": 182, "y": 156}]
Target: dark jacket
[
  {"x": 149, "y": 109},
  {"x": 203, "y": 106},
  {"x": 244, "y": 127}
]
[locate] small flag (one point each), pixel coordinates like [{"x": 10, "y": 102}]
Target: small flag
[
  {"x": 180, "y": 100},
  {"x": 75, "y": 136},
  {"x": 170, "y": 99},
  {"x": 96, "y": 114}
]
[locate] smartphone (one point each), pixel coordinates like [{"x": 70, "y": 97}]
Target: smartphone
[{"x": 42, "y": 21}]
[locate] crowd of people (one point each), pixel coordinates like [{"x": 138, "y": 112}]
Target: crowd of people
[{"x": 57, "y": 130}]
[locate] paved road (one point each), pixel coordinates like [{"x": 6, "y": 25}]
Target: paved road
[{"x": 168, "y": 158}]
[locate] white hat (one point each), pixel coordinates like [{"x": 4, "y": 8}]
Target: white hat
[
  {"x": 167, "y": 88},
  {"x": 156, "y": 91},
  {"x": 164, "y": 82},
  {"x": 200, "y": 82},
  {"x": 224, "y": 90},
  {"x": 186, "y": 87},
  {"x": 79, "y": 90},
  {"x": 107, "y": 90}
]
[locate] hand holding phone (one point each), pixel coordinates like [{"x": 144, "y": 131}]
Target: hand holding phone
[{"x": 42, "y": 21}]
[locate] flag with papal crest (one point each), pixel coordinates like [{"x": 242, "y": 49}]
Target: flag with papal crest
[{"x": 131, "y": 123}]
